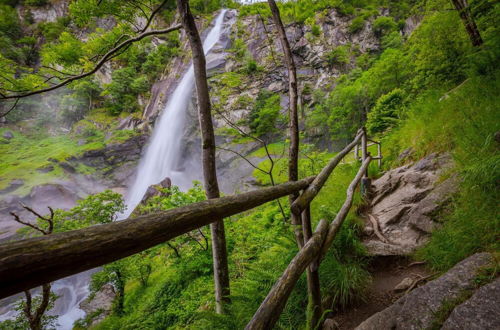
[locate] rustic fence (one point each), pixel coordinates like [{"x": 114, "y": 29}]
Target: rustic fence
[{"x": 28, "y": 263}]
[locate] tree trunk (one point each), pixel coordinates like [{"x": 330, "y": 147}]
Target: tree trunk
[
  {"x": 470, "y": 26},
  {"x": 221, "y": 272},
  {"x": 293, "y": 153}
]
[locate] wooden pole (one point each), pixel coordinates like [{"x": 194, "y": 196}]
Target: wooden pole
[
  {"x": 269, "y": 311},
  {"x": 379, "y": 152},
  {"x": 29, "y": 263},
  {"x": 313, "y": 284},
  {"x": 293, "y": 153},
  {"x": 219, "y": 252}
]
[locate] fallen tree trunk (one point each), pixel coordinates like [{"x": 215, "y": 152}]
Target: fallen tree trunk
[{"x": 32, "y": 262}]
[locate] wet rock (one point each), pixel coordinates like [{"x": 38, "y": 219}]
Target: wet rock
[
  {"x": 67, "y": 167},
  {"x": 481, "y": 311},
  {"x": 330, "y": 324},
  {"x": 411, "y": 24},
  {"x": 8, "y": 135},
  {"x": 128, "y": 122},
  {"x": 13, "y": 185},
  {"x": 81, "y": 142},
  {"x": 417, "y": 309},
  {"x": 116, "y": 160},
  {"x": 404, "y": 284},
  {"x": 101, "y": 304},
  {"x": 45, "y": 169},
  {"x": 406, "y": 202},
  {"x": 44, "y": 195}
]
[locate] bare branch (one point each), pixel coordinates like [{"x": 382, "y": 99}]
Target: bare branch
[
  {"x": 11, "y": 108},
  {"x": 150, "y": 19},
  {"x": 18, "y": 219}
]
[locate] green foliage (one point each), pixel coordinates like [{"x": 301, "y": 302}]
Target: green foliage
[
  {"x": 21, "y": 322},
  {"x": 265, "y": 114},
  {"x": 464, "y": 124},
  {"x": 384, "y": 25},
  {"x": 385, "y": 112},
  {"x": 357, "y": 24},
  {"x": 338, "y": 56},
  {"x": 438, "y": 50},
  {"x": 170, "y": 198},
  {"x": 35, "y": 3},
  {"x": 67, "y": 51},
  {"x": 52, "y": 30},
  {"x": 123, "y": 90}
]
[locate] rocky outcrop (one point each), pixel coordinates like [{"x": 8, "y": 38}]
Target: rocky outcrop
[
  {"x": 480, "y": 312},
  {"x": 406, "y": 202},
  {"x": 116, "y": 161},
  {"x": 98, "y": 306},
  {"x": 62, "y": 195},
  {"x": 419, "y": 308}
]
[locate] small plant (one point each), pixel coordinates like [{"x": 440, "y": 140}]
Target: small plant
[
  {"x": 338, "y": 56},
  {"x": 357, "y": 24},
  {"x": 384, "y": 25},
  {"x": 315, "y": 30}
]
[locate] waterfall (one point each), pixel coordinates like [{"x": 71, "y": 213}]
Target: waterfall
[
  {"x": 165, "y": 147},
  {"x": 160, "y": 161}
]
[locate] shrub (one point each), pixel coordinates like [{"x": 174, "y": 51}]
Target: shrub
[
  {"x": 35, "y": 3},
  {"x": 384, "y": 25},
  {"x": 251, "y": 66},
  {"x": 265, "y": 113},
  {"x": 385, "y": 112},
  {"x": 315, "y": 30},
  {"x": 338, "y": 56},
  {"x": 357, "y": 24}
]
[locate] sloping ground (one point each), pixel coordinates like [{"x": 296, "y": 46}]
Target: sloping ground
[
  {"x": 405, "y": 207},
  {"x": 427, "y": 306}
]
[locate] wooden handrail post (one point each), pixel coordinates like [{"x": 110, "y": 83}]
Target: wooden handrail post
[
  {"x": 313, "y": 286},
  {"x": 364, "y": 148},
  {"x": 365, "y": 181},
  {"x": 379, "y": 154}
]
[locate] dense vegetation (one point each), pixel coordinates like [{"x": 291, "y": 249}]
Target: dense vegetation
[{"x": 429, "y": 92}]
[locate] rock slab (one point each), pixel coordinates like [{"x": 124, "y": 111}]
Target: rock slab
[
  {"x": 480, "y": 312},
  {"x": 417, "y": 309},
  {"x": 405, "y": 202}
]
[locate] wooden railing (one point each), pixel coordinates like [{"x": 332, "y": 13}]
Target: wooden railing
[{"x": 28, "y": 263}]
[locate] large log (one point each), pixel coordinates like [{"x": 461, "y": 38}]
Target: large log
[
  {"x": 270, "y": 309},
  {"x": 28, "y": 263},
  {"x": 314, "y": 188}
]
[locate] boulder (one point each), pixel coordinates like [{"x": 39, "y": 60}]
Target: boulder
[
  {"x": 52, "y": 194},
  {"x": 480, "y": 312},
  {"x": 417, "y": 310},
  {"x": 404, "y": 284},
  {"x": 405, "y": 202},
  {"x": 8, "y": 135}
]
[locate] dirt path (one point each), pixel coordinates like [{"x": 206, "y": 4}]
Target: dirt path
[{"x": 387, "y": 273}]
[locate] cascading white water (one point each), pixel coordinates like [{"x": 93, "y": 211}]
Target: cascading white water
[
  {"x": 165, "y": 147},
  {"x": 160, "y": 161}
]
